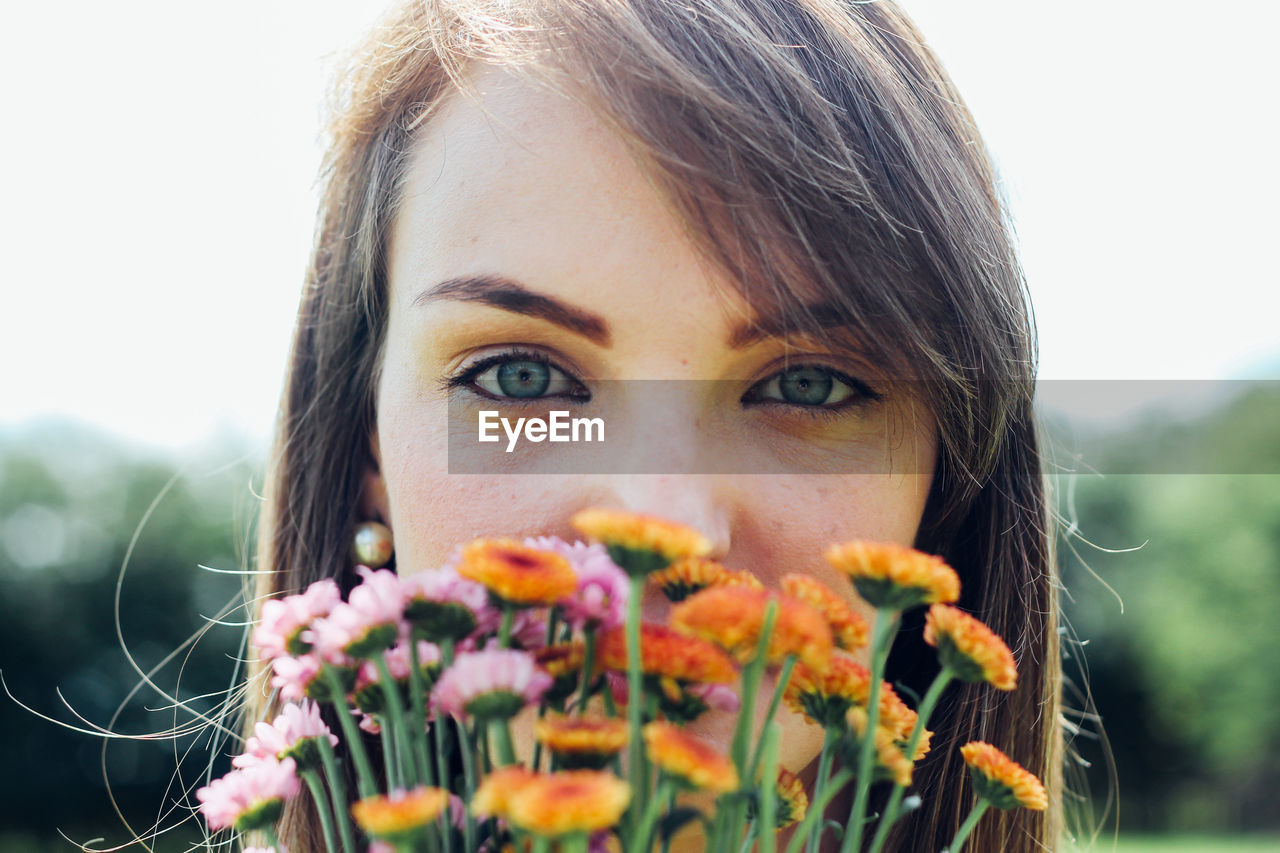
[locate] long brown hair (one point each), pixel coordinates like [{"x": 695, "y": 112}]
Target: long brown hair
[{"x": 817, "y": 151}]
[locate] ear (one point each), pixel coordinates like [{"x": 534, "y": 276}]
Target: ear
[{"x": 374, "y": 505}]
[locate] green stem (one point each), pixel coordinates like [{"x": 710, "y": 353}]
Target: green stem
[
  {"x": 752, "y": 828},
  {"x": 577, "y": 842},
  {"x": 588, "y": 664},
  {"x": 820, "y": 784},
  {"x": 504, "y": 628},
  {"x": 813, "y": 819},
  {"x": 442, "y": 766},
  {"x": 339, "y": 788},
  {"x": 783, "y": 677},
  {"x": 502, "y": 737},
  {"x": 769, "y": 788},
  {"x": 389, "y": 757},
  {"x": 923, "y": 713},
  {"x": 670, "y": 807},
  {"x": 418, "y": 704},
  {"x": 653, "y": 811},
  {"x": 364, "y": 770},
  {"x": 401, "y": 739},
  {"x": 323, "y": 808},
  {"x": 970, "y": 822},
  {"x": 751, "y": 676},
  {"x": 272, "y": 839},
  {"x": 469, "y": 777},
  {"x": 885, "y": 623}
]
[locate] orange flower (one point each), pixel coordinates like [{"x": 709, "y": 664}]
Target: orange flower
[
  {"x": 684, "y": 577},
  {"x": 563, "y": 662},
  {"x": 518, "y": 574},
  {"x": 493, "y": 797},
  {"x": 575, "y": 801},
  {"x": 640, "y": 544},
  {"x": 1000, "y": 780},
  {"x": 972, "y": 650},
  {"x": 732, "y": 617},
  {"x": 792, "y": 800},
  {"x": 738, "y": 577},
  {"x": 895, "y": 577},
  {"x": 826, "y": 697},
  {"x": 922, "y": 746},
  {"x": 890, "y": 761},
  {"x": 849, "y": 630},
  {"x": 586, "y": 741},
  {"x": 399, "y": 814},
  {"x": 665, "y": 653},
  {"x": 694, "y": 762}
]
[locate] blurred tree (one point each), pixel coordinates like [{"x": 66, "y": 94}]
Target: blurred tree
[
  {"x": 1182, "y": 674},
  {"x": 70, "y": 502}
]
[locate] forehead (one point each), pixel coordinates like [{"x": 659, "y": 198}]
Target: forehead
[{"x": 529, "y": 182}]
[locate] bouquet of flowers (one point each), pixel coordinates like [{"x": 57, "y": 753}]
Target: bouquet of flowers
[{"x": 438, "y": 664}]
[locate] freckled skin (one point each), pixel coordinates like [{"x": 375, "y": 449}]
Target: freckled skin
[{"x": 539, "y": 191}]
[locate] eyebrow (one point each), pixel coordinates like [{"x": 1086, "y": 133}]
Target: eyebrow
[
  {"x": 510, "y": 295},
  {"x": 822, "y": 316}
]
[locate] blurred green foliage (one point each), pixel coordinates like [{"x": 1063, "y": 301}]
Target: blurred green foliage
[
  {"x": 1173, "y": 580},
  {"x": 70, "y": 503},
  {"x": 1182, "y": 675}
]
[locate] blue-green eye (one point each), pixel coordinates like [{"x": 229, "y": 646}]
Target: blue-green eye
[
  {"x": 519, "y": 376},
  {"x": 810, "y": 386}
]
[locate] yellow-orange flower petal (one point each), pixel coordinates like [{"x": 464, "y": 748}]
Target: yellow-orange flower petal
[
  {"x": 793, "y": 802},
  {"x": 399, "y": 814},
  {"x": 972, "y": 650},
  {"x": 892, "y": 576},
  {"x": 640, "y": 544},
  {"x": 574, "y": 801},
  {"x": 664, "y": 652},
  {"x": 1000, "y": 780},
  {"x": 889, "y": 759},
  {"x": 684, "y": 577},
  {"x": 922, "y": 746},
  {"x": 516, "y": 573},
  {"x": 694, "y": 761},
  {"x": 493, "y": 797},
  {"x": 563, "y": 662},
  {"x": 825, "y": 697},
  {"x": 732, "y": 617},
  {"x": 589, "y": 740},
  {"x": 738, "y": 577},
  {"x": 849, "y": 630}
]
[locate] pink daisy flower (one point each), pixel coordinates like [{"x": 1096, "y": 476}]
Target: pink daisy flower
[
  {"x": 250, "y": 798},
  {"x": 368, "y": 622},
  {"x": 294, "y": 676},
  {"x": 291, "y": 735},
  {"x": 442, "y": 605},
  {"x": 719, "y": 697},
  {"x": 495, "y": 683},
  {"x": 278, "y": 632},
  {"x": 600, "y": 601}
]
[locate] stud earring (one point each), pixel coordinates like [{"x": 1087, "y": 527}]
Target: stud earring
[{"x": 372, "y": 545}]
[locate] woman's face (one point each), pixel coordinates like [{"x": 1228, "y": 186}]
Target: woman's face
[{"x": 589, "y": 286}]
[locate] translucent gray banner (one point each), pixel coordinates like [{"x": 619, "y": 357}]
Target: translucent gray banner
[{"x": 817, "y": 424}]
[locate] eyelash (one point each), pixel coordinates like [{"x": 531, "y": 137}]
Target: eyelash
[{"x": 861, "y": 394}]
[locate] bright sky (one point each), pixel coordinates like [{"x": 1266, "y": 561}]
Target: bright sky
[{"x": 159, "y": 192}]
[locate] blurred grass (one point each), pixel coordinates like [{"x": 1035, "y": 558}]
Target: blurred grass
[{"x": 1190, "y": 844}]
